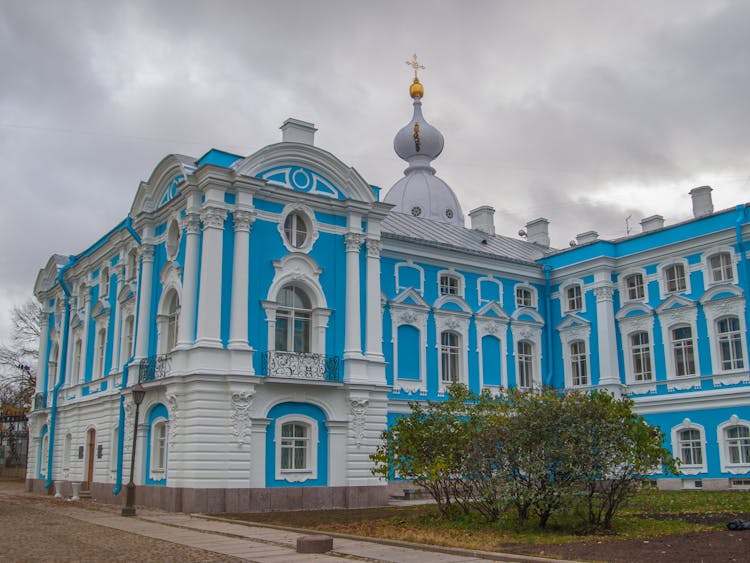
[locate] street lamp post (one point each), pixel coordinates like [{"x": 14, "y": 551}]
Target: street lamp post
[{"x": 129, "y": 509}]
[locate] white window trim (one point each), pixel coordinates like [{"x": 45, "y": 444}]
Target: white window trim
[
  {"x": 172, "y": 239},
  {"x": 663, "y": 293},
  {"x": 623, "y": 286},
  {"x": 455, "y": 275},
  {"x": 458, "y": 322},
  {"x": 159, "y": 473},
  {"x": 409, "y": 264},
  {"x": 692, "y": 469},
  {"x": 297, "y": 475},
  {"x": 563, "y": 296},
  {"x": 637, "y": 323},
  {"x": 44, "y": 453},
  {"x": 308, "y": 216},
  {"x": 402, "y": 314},
  {"x": 726, "y": 467},
  {"x": 670, "y": 318},
  {"x": 534, "y": 298},
  {"x": 714, "y": 310},
  {"x": 104, "y": 287},
  {"x": 496, "y": 326},
  {"x": 487, "y": 279},
  {"x": 706, "y": 263},
  {"x": 568, "y": 335},
  {"x": 524, "y": 330}
]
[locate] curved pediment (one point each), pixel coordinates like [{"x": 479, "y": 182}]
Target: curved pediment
[
  {"x": 452, "y": 303},
  {"x": 47, "y": 276},
  {"x": 634, "y": 310},
  {"x": 723, "y": 291},
  {"x": 306, "y": 168},
  {"x": 163, "y": 185},
  {"x": 527, "y": 314}
]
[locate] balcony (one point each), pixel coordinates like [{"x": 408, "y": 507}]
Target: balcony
[
  {"x": 300, "y": 365},
  {"x": 154, "y": 367}
]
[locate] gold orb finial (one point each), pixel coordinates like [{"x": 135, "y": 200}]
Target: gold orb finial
[{"x": 416, "y": 90}]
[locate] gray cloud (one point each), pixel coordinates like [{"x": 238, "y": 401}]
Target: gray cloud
[{"x": 584, "y": 112}]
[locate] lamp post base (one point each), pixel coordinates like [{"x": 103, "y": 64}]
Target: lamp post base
[{"x": 129, "y": 508}]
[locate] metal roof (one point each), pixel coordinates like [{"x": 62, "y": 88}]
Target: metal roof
[{"x": 405, "y": 227}]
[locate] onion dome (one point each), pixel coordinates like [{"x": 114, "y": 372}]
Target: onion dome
[{"x": 420, "y": 192}]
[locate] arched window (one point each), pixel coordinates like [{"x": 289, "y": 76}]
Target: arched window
[
  {"x": 127, "y": 338},
  {"x": 578, "y": 366},
  {"x": 43, "y": 453},
  {"x": 172, "y": 312},
  {"x": 450, "y": 357},
  {"x": 293, "y": 317},
  {"x": 77, "y": 352},
  {"x": 525, "y": 359},
  {"x": 691, "y": 447},
  {"x": 683, "y": 353},
  {"x": 295, "y": 230},
  {"x": 52, "y": 366},
  {"x": 159, "y": 447},
  {"x": 295, "y": 443},
  {"x": 720, "y": 265},
  {"x": 101, "y": 340},
  {"x": 730, "y": 343},
  {"x": 640, "y": 353}
]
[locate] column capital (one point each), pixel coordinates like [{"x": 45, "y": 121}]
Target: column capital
[
  {"x": 374, "y": 247},
  {"x": 147, "y": 252},
  {"x": 213, "y": 217},
  {"x": 192, "y": 223},
  {"x": 353, "y": 241},
  {"x": 604, "y": 292},
  {"x": 243, "y": 220}
]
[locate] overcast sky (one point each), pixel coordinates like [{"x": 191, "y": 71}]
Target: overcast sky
[{"x": 582, "y": 112}]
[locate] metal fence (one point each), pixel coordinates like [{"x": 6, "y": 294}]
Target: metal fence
[
  {"x": 154, "y": 367},
  {"x": 301, "y": 365}
]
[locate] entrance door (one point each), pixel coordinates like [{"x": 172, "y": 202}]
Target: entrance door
[{"x": 91, "y": 453}]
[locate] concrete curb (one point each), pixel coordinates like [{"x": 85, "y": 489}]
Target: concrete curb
[{"x": 490, "y": 555}]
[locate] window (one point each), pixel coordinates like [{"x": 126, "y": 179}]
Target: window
[
  {"x": 52, "y": 366},
  {"x": 295, "y": 441},
  {"x": 295, "y": 230},
  {"x": 293, "y": 320},
  {"x": 524, "y": 297},
  {"x": 720, "y": 265},
  {"x": 449, "y": 285},
  {"x": 159, "y": 447},
  {"x": 101, "y": 338},
  {"x": 691, "y": 447},
  {"x": 578, "y": 363},
  {"x": 127, "y": 343},
  {"x": 730, "y": 343},
  {"x": 104, "y": 283},
  {"x": 132, "y": 265},
  {"x": 77, "y": 350},
  {"x": 449, "y": 357},
  {"x": 634, "y": 287},
  {"x": 44, "y": 453},
  {"x": 573, "y": 298},
  {"x": 674, "y": 278},
  {"x": 525, "y": 358},
  {"x": 640, "y": 352},
  {"x": 738, "y": 444},
  {"x": 682, "y": 351},
  {"x": 172, "y": 313}
]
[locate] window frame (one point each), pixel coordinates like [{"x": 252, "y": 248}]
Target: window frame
[
  {"x": 641, "y": 350},
  {"x": 297, "y": 475},
  {"x": 729, "y": 267},
  {"x": 677, "y": 447},
  {"x": 665, "y": 281},
  {"x": 298, "y": 214},
  {"x": 290, "y": 315},
  {"x": 680, "y": 349},
  {"x": 735, "y": 341},
  {"x": 627, "y": 288},
  {"x": 159, "y": 448},
  {"x": 450, "y": 279},
  {"x": 531, "y": 293},
  {"x": 528, "y": 360},
  {"x": 579, "y": 364},
  {"x": 725, "y": 445},
  {"x": 450, "y": 357}
]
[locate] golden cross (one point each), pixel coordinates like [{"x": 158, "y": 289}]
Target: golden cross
[{"x": 415, "y": 65}]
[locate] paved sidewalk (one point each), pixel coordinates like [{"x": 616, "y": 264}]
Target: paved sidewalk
[{"x": 256, "y": 543}]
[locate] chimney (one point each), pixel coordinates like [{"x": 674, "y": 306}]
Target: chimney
[
  {"x": 702, "y": 204},
  {"x": 652, "y": 223},
  {"x": 483, "y": 219},
  {"x": 537, "y": 231},
  {"x": 588, "y": 236},
  {"x": 297, "y": 131}
]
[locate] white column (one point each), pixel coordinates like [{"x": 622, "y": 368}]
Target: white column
[
  {"x": 83, "y": 293},
  {"x": 144, "y": 301},
  {"x": 209, "y": 302},
  {"x": 243, "y": 222},
  {"x": 257, "y": 469},
  {"x": 353, "y": 338},
  {"x": 43, "y": 345},
  {"x": 374, "y": 343},
  {"x": 186, "y": 328},
  {"x": 609, "y": 374},
  {"x": 117, "y": 330}
]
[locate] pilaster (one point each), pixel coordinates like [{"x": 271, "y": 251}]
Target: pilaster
[
  {"x": 209, "y": 302},
  {"x": 609, "y": 373},
  {"x": 144, "y": 301},
  {"x": 186, "y": 328}
]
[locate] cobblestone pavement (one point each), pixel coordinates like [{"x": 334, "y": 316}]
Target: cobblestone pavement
[{"x": 33, "y": 530}]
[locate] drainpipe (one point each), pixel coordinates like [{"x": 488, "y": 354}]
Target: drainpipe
[
  {"x": 744, "y": 280},
  {"x": 63, "y": 369},
  {"x": 124, "y": 384},
  {"x": 548, "y": 326}
]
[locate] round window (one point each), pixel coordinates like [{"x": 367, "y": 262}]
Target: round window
[
  {"x": 295, "y": 230},
  {"x": 416, "y": 211},
  {"x": 449, "y": 213},
  {"x": 173, "y": 240}
]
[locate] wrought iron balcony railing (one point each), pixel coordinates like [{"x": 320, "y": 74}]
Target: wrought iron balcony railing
[
  {"x": 301, "y": 365},
  {"x": 40, "y": 401},
  {"x": 154, "y": 367}
]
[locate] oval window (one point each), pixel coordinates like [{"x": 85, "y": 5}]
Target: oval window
[{"x": 295, "y": 229}]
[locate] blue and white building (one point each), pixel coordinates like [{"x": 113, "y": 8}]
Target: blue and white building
[{"x": 280, "y": 312}]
